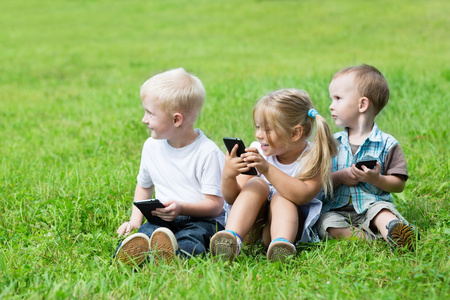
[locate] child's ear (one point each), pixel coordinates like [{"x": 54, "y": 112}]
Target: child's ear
[
  {"x": 297, "y": 133},
  {"x": 363, "y": 104},
  {"x": 177, "y": 119}
]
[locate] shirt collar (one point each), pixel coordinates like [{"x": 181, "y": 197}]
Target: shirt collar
[{"x": 374, "y": 136}]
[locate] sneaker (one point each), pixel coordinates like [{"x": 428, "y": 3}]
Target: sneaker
[
  {"x": 133, "y": 250},
  {"x": 400, "y": 235},
  {"x": 280, "y": 249},
  {"x": 227, "y": 244},
  {"x": 163, "y": 244}
]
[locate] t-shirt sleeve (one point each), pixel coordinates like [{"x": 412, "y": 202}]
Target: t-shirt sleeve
[
  {"x": 144, "y": 179},
  {"x": 395, "y": 163},
  {"x": 212, "y": 173}
]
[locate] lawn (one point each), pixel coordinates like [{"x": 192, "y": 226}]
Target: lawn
[{"x": 71, "y": 137}]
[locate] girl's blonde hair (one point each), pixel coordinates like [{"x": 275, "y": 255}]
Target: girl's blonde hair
[{"x": 285, "y": 109}]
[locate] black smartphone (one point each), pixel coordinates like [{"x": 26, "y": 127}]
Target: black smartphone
[
  {"x": 369, "y": 163},
  {"x": 147, "y": 206},
  {"x": 230, "y": 142}
]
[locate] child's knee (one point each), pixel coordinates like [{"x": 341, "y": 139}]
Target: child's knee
[{"x": 258, "y": 184}]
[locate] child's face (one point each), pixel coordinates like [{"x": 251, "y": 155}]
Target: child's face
[
  {"x": 344, "y": 101},
  {"x": 271, "y": 143},
  {"x": 157, "y": 120}
]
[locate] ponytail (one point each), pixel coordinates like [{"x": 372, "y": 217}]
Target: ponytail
[{"x": 318, "y": 158}]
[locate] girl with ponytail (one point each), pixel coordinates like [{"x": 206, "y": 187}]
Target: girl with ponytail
[{"x": 291, "y": 172}]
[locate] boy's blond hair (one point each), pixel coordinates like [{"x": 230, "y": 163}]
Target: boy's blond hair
[
  {"x": 285, "y": 109},
  {"x": 178, "y": 91},
  {"x": 371, "y": 84}
]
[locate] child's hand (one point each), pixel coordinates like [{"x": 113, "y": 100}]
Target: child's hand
[
  {"x": 126, "y": 228},
  {"x": 346, "y": 177},
  {"x": 367, "y": 175},
  {"x": 253, "y": 159},
  {"x": 170, "y": 212},
  {"x": 234, "y": 165}
]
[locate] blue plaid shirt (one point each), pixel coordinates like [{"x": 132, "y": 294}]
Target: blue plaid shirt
[{"x": 376, "y": 146}]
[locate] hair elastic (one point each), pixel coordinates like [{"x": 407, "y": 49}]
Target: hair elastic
[{"x": 312, "y": 113}]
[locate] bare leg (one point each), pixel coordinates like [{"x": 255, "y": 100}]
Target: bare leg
[
  {"x": 283, "y": 219},
  {"x": 257, "y": 228},
  {"x": 345, "y": 232},
  {"x": 284, "y": 226},
  {"x": 247, "y": 206},
  {"x": 382, "y": 219}
]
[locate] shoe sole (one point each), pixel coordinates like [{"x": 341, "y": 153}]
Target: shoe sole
[
  {"x": 134, "y": 250},
  {"x": 401, "y": 235},
  {"x": 224, "y": 245},
  {"x": 163, "y": 244},
  {"x": 280, "y": 251}
]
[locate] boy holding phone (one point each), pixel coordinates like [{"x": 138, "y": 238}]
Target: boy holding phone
[
  {"x": 362, "y": 204},
  {"x": 183, "y": 166}
]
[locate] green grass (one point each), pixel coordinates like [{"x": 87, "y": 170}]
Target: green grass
[{"x": 71, "y": 137}]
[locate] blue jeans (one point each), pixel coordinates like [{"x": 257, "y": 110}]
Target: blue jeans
[{"x": 192, "y": 234}]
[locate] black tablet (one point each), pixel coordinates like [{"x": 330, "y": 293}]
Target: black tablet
[{"x": 147, "y": 206}]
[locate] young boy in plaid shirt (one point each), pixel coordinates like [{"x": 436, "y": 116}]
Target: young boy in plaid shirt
[{"x": 362, "y": 204}]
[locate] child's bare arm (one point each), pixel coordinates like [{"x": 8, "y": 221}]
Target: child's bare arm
[
  {"x": 293, "y": 189},
  {"x": 297, "y": 191},
  {"x": 387, "y": 183},
  {"x": 136, "y": 218},
  {"x": 211, "y": 206},
  {"x": 344, "y": 177}
]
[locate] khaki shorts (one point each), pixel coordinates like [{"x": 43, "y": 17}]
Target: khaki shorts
[{"x": 347, "y": 217}]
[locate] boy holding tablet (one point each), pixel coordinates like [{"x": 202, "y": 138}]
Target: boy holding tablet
[{"x": 183, "y": 166}]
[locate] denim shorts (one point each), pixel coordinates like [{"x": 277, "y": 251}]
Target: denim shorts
[
  {"x": 193, "y": 234},
  {"x": 347, "y": 217}
]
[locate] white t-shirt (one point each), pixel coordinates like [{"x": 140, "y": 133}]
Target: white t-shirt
[{"x": 182, "y": 174}]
